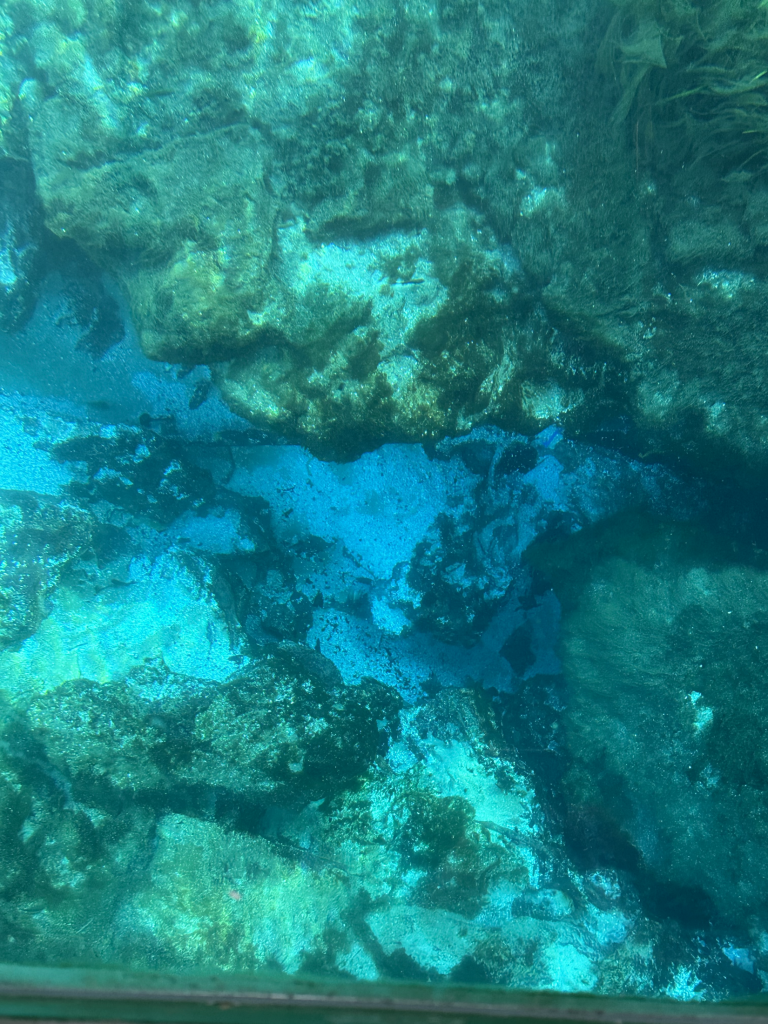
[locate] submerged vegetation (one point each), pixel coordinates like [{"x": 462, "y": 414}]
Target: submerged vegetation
[{"x": 693, "y": 80}]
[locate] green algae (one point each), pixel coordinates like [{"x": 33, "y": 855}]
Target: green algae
[{"x": 692, "y": 80}]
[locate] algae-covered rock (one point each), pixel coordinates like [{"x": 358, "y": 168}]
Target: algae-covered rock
[
  {"x": 433, "y": 861},
  {"x": 394, "y": 229},
  {"x": 38, "y": 539},
  {"x": 64, "y": 865},
  {"x": 664, "y": 649},
  {"x": 291, "y": 728},
  {"x": 145, "y": 157},
  {"x": 217, "y": 898},
  {"x": 701, "y": 382},
  {"x": 403, "y": 337},
  {"x": 661, "y": 289},
  {"x": 285, "y": 729},
  {"x": 289, "y": 197},
  {"x": 387, "y": 878},
  {"x": 191, "y": 227}
]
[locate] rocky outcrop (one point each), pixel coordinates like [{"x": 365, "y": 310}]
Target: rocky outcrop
[
  {"x": 663, "y": 647},
  {"x": 396, "y": 234}
]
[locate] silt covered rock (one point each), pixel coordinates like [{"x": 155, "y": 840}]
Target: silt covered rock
[{"x": 664, "y": 650}]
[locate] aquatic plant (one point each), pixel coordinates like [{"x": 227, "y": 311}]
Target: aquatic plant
[{"x": 693, "y": 81}]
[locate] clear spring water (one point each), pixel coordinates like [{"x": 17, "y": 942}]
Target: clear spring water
[{"x": 383, "y": 591}]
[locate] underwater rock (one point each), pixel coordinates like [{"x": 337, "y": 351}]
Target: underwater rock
[
  {"x": 39, "y": 539},
  {"x": 348, "y": 293},
  {"x": 663, "y": 649},
  {"x": 712, "y": 421},
  {"x": 187, "y": 228},
  {"x": 436, "y": 865},
  {"x": 111, "y": 621},
  {"x": 427, "y": 836},
  {"x": 286, "y": 728},
  {"x": 367, "y": 238},
  {"x": 424, "y": 854},
  {"x": 376, "y": 330},
  {"x": 64, "y": 866},
  {"x": 197, "y": 219},
  {"x": 656, "y": 286},
  {"x": 289, "y": 728},
  {"x": 21, "y": 226},
  {"x": 240, "y": 902}
]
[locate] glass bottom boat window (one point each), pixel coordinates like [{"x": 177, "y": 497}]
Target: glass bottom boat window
[{"x": 383, "y": 461}]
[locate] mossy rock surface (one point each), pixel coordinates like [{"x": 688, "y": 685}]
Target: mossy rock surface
[
  {"x": 664, "y": 648},
  {"x": 289, "y": 205},
  {"x": 287, "y": 729},
  {"x": 393, "y": 230},
  {"x": 64, "y": 865}
]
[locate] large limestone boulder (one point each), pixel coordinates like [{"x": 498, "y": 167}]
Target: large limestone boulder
[
  {"x": 279, "y": 195},
  {"x": 395, "y": 229}
]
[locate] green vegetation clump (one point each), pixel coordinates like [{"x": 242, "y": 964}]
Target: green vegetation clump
[
  {"x": 440, "y": 837},
  {"x": 693, "y": 80}
]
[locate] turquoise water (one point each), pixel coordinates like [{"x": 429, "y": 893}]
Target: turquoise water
[{"x": 383, "y": 572}]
